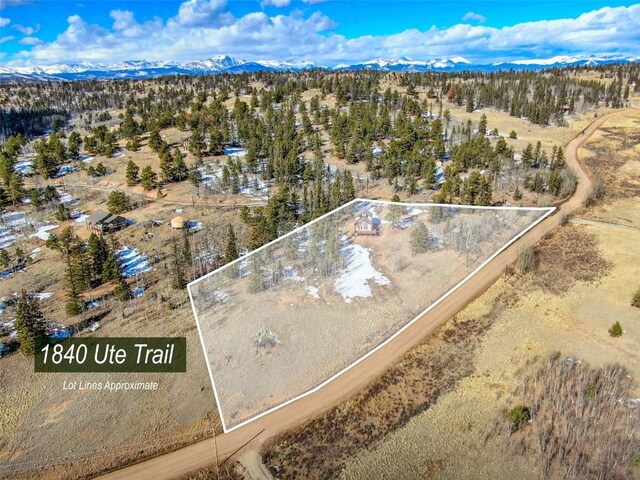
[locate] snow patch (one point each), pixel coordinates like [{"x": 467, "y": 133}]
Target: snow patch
[
  {"x": 354, "y": 281},
  {"x": 133, "y": 262},
  {"x": 138, "y": 291},
  {"x": 43, "y": 232},
  {"x": 313, "y": 291},
  {"x": 235, "y": 152}
]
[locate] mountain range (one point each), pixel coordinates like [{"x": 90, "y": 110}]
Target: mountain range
[{"x": 227, "y": 64}]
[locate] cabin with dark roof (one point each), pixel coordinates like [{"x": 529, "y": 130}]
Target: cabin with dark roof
[{"x": 105, "y": 222}]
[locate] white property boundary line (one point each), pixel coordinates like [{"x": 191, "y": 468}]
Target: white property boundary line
[{"x": 549, "y": 211}]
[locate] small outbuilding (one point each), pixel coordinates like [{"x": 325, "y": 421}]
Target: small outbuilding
[
  {"x": 102, "y": 222},
  {"x": 364, "y": 225},
  {"x": 178, "y": 222}
]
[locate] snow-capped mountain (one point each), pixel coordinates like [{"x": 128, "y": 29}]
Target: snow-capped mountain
[
  {"x": 227, "y": 64},
  {"x": 405, "y": 64},
  {"x": 568, "y": 60}
]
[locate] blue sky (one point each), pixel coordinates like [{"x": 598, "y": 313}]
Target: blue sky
[{"x": 44, "y": 32}]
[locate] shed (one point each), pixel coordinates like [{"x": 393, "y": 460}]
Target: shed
[
  {"x": 101, "y": 222},
  {"x": 178, "y": 222},
  {"x": 364, "y": 225}
]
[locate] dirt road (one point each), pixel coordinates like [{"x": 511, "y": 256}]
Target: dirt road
[{"x": 203, "y": 454}]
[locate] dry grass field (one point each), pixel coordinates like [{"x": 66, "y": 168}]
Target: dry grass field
[
  {"x": 320, "y": 325},
  {"x": 583, "y": 283}
]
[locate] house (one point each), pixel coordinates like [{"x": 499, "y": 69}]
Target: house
[
  {"x": 101, "y": 222},
  {"x": 365, "y": 225}
]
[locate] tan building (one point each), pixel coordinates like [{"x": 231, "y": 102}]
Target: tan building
[{"x": 364, "y": 225}]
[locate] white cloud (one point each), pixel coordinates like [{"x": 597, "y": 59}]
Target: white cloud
[
  {"x": 27, "y": 30},
  {"x": 202, "y": 28},
  {"x": 203, "y": 13},
  {"x": 474, "y": 17},
  {"x": 14, "y": 3},
  {"x": 30, "y": 41},
  {"x": 4, "y": 21},
  {"x": 7, "y": 38},
  {"x": 275, "y": 3}
]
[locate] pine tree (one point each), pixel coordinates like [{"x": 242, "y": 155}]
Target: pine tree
[
  {"x": 196, "y": 143},
  {"x": 186, "y": 247},
  {"x": 216, "y": 142},
  {"x": 73, "y": 146},
  {"x": 482, "y": 126},
  {"x": 420, "y": 239},
  {"x": 16, "y": 189},
  {"x": 29, "y": 323},
  {"x": 527, "y": 156},
  {"x": 118, "y": 202},
  {"x": 180, "y": 169},
  {"x": 98, "y": 252},
  {"x": 132, "y": 174},
  {"x": 177, "y": 266},
  {"x": 195, "y": 177},
  {"x": 148, "y": 178},
  {"x": 616, "y": 330},
  {"x": 155, "y": 140},
  {"x": 5, "y": 259},
  {"x": 231, "y": 250},
  {"x": 35, "y": 197}
]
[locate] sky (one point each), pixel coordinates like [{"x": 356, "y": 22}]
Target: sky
[{"x": 327, "y": 32}]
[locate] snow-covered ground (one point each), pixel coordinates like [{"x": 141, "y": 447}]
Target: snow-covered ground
[
  {"x": 138, "y": 292},
  {"x": 354, "y": 281},
  {"x": 290, "y": 273},
  {"x": 66, "y": 198},
  {"x": 93, "y": 304},
  {"x": 43, "y": 232},
  {"x": 14, "y": 219},
  {"x": 86, "y": 158},
  {"x": 10, "y": 271},
  {"x": 41, "y": 295},
  {"x": 133, "y": 262},
  {"x": 313, "y": 291},
  {"x": 212, "y": 177},
  {"x": 415, "y": 211},
  {"x": 24, "y": 168},
  {"x": 80, "y": 217},
  {"x": 7, "y": 238},
  {"x": 65, "y": 169},
  {"x": 220, "y": 296},
  {"x": 236, "y": 152}
]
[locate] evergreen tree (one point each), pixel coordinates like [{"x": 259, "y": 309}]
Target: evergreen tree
[
  {"x": 231, "y": 250},
  {"x": 118, "y": 202},
  {"x": 98, "y": 252},
  {"x": 179, "y": 281},
  {"x": 16, "y": 189},
  {"x": 196, "y": 143},
  {"x": 155, "y": 140},
  {"x": 35, "y": 197},
  {"x": 420, "y": 239},
  {"x": 216, "y": 142},
  {"x": 29, "y": 323},
  {"x": 148, "y": 178},
  {"x": 62, "y": 213},
  {"x": 73, "y": 146},
  {"x": 131, "y": 174},
  {"x": 195, "y": 177},
  {"x": 482, "y": 126},
  {"x": 186, "y": 247},
  {"x": 5, "y": 259}
]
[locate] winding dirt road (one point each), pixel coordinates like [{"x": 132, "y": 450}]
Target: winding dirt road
[{"x": 203, "y": 454}]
